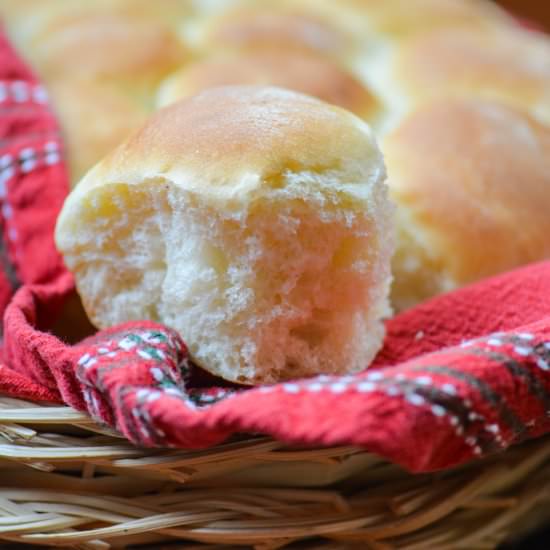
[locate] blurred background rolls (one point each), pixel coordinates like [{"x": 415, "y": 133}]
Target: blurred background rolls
[{"x": 438, "y": 81}]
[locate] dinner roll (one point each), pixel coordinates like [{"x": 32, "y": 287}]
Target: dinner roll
[
  {"x": 250, "y": 26},
  {"x": 94, "y": 117},
  {"x": 166, "y": 11},
  {"x": 24, "y": 18},
  {"x": 131, "y": 51},
  {"x": 30, "y": 20},
  {"x": 253, "y": 220},
  {"x": 397, "y": 19},
  {"x": 472, "y": 182},
  {"x": 308, "y": 73},
  {"x": 512, "y": 66}
]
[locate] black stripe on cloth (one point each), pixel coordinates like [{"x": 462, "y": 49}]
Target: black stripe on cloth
[
  {"x": 455, "y": 406},
  {"x": 506, "y": 414},
  {"x": 518, "y": 370}
]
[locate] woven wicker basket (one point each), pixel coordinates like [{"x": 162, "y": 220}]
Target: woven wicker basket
[{"x": 66, "y": 482}]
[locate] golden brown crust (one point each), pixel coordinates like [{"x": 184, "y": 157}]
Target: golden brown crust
[
  {"x": 401, "y": 18},
  {"x": 275, "y": 27},
  {"x": 472, "y": 179},
  {"x": 24, "y": 19},
  {"x": 167, "y": 11},
  {"x": 508, "y": 65},
  {"x": 216, "y": 126},
  {"x": 106, "y": 46},
  {"x": 307, "y": 73}
]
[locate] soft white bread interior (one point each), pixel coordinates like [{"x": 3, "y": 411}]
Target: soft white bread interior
[{"x": 253, "y": 220}]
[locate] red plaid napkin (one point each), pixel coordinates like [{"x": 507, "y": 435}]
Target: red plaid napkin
[{"x": 461, "y": 376}]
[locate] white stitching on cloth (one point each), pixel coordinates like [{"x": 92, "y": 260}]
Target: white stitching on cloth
[
  {"x": 19, "y": 91},
  {"x": 26, "y": 161}
]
